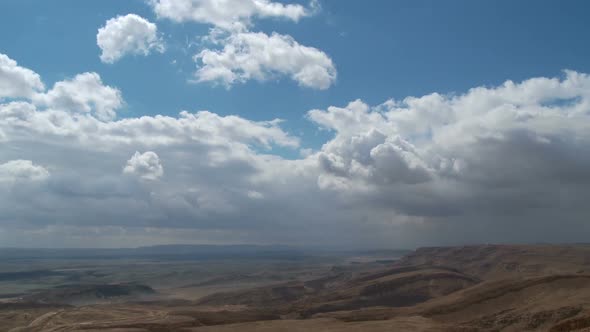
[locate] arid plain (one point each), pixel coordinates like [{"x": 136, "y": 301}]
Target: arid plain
[{"x": 469, "y": 288}]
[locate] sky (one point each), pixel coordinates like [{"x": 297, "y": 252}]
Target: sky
[{"x": 347, "y": 124}]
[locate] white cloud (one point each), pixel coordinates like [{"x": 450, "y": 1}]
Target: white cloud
[
  {"x": 85, "y": 93},
  {"x": 373, "y": 158},
  {"x": 22, "y": 170},
  {"x": 24, "y": 120},
  {"x": 511, "y": 135},
  {"x": 145, "y": 165},
  {"x": 129, "y": 34},
  {"x": 248, "y": 55},
  {"x": 508, "y": 163},
  {"x": 16, "y": 81},
  {"x": 17, "y": 112},
  {"x": 228, "y": 14},
  {"x": 245, "y": 55}
]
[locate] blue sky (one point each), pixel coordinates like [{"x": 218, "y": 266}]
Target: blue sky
[
  {"x": 382, "y": 50},
  {"x": 487, "y": 138}
]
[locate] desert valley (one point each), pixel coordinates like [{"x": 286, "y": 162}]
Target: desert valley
[{"x": 203, "y": 288}]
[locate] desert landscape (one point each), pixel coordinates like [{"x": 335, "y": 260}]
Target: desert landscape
[
  {"x": 294, "y": 166},
  {"x": 201, "y": 288}
]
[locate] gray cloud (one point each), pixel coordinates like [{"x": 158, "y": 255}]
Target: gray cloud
[
  {"x": 503, "y": 164},
  {"x": 22, "y": 170}
]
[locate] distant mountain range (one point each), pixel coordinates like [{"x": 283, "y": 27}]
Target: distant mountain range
[{"x": 178, "y": 252}]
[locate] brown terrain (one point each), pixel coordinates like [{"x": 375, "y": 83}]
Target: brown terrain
[{"x": 470, "y": 288}]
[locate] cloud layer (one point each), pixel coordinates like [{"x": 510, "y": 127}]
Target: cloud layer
[{"x": 493, "y": 164}]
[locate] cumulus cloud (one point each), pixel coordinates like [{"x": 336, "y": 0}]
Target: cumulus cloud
[
  {"x": 374, "y": 158},
  {"x": 85, "y": 93},
  {"x": 16, "y": 81},
  {"x": 21, "y": 119},
  {"x": 22, "y": 170},
  {"x": 129, "y": 34},
  {"x": 248, "y": 55},
  {"x": 490, "y": 148},
  {"x": 492, "y": 164},
  {"x": 228, "y": 14},
  {"x": 238, "y": 55},
  {"x": 146, "y": 165}
]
